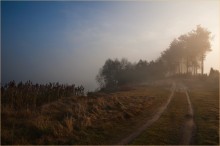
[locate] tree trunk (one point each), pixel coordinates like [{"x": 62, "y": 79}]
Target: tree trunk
[
  {"x": 202, "y": 64},
  {"x": 196, "y": 70},
  {"x": 187, "y": 66},
  {"x": 202, "y": 69},
  {"x": 192, "y": 71}
]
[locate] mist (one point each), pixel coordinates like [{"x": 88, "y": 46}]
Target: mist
[{"x": 68, "y": 42}]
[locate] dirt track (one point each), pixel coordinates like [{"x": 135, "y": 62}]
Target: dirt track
[
  {"x": 157, "y": 115},
  {"x": 188, "y": 126}
]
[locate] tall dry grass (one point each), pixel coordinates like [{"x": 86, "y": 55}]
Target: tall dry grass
[{"x": 72, "y": 120}]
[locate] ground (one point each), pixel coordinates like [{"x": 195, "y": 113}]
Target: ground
[{"x": 109, "y": 118}]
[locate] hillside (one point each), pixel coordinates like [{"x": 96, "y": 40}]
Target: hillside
[
  {"x": 82, "y": 120},
  {"x": 139, "y": 114}
]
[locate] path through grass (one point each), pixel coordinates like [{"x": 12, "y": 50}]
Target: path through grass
[{"x": 168, "y": 129}]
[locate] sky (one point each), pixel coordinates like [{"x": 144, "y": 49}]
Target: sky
[{"x": 69, "y": 41}]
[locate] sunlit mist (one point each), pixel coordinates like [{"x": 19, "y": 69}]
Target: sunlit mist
[{"x": 69, "y": 41}]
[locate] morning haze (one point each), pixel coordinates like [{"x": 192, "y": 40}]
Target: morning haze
[
  {"x": 69, "y": 41},
  {"x": 110, "y": 73}
]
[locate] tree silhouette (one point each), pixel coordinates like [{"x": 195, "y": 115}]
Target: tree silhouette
[
  {"x": 109, "y": 73},
  {"x": 189, "y": 49},
  {"x": 185, "y": 54},
  {"x": 202, "y": 44}
]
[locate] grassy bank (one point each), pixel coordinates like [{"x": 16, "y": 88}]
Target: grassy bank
[{"x": 100, "y": 119}]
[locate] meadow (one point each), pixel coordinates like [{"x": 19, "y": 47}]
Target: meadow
[
  {"x": 108, "y": 117},
  {"x": 97, "y": 119}
]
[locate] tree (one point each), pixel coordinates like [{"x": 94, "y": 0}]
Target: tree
[
  {"x": 108, "y": 75},
  {"x": 189, "y": 49},
  {"x": 186, "y": 54},
  {"x": 114, "y": 73},
  {"x": 202, "y": 43},
  {"x": 214, "y": 74}
]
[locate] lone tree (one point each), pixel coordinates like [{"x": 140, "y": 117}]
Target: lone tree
[{"x": 108, "y": 74}]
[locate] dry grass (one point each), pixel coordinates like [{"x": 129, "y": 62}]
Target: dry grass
[
  {"x": 167, "y": 130},
  {"x": 107, "y": 118},
  {"x": 204, "y": 96},
  {"x": 101, "y": 119},
  {"x": 205, "y": 100}
]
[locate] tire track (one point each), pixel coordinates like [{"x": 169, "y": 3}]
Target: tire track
[
  {"x": 157, "y": 115},
  {"x": 189, "y": 126}
]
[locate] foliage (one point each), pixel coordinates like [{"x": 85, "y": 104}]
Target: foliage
[
  {"x": 214, "y": 74},
  {"x": 115, "y": 73},
  {"x": 185, "y": 55}
]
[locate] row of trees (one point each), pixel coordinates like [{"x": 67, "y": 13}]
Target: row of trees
[
  {"x": 119, "y": 72},
  {"x": 185, "y": 55}
]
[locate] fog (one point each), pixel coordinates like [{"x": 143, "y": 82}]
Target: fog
[{"x": 68, "y": 42}]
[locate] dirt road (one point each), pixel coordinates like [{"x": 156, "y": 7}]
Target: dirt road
[
  {"x": 157, "y": 115},
  {"x": 189, "y": 126}
]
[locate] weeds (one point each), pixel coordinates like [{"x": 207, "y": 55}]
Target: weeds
[
  {"x": 77, "y": 120},
  {"x": 29, "y": 96},
  {"x": 69, "y": 123}
]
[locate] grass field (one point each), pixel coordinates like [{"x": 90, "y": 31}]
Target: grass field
[
  {"x": 101, "y": 119},
  {"x": 206, "y": 107},
  {"x": 167, "y": 130}
]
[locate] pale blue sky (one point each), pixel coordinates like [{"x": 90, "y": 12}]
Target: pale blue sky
[{"x": 69, "y": 41}]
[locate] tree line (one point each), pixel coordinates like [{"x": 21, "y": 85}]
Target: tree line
[
  {"x": 184, "y": 56},
  {"x": 119, "y": 72}
]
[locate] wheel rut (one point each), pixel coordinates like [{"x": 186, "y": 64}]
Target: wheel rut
[
  {"x": 136, "y": 133},
  {"x": 189, "y": 125}
]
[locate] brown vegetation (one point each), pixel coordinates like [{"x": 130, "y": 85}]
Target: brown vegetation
[
  {"x": 29, "y": 96},
  {"x": 78, "y": 119}
]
